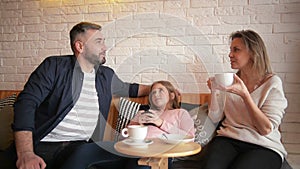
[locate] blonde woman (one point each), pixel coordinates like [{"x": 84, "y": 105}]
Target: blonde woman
[{"x": 249, "y": 136}]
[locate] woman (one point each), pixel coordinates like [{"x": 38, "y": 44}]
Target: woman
[
  {"x": 249, "y": 137},
  {"x": 164, "y": 116}
]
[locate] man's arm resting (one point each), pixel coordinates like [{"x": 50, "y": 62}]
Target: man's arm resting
[
  {"x": 24, "y": 147},
  {"x": 23, "y": 141},
  {"x": 144, "y": 90}
]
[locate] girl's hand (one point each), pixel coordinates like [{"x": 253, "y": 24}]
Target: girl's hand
[
  {"x": 141, "y": 116},
  {"x": 150, "y": 117}
]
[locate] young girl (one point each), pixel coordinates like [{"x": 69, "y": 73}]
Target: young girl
[{"x": 164, "y": 116}]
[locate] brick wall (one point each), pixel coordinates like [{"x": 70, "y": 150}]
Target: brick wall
[{"x": 184, "y": 41}]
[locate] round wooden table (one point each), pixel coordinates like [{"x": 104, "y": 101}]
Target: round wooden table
[{"x": 156, "y": 154}]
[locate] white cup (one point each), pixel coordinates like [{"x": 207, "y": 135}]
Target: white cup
[
  {"x": 224, "y": 79},
  {"x": 137, "y": 133}
]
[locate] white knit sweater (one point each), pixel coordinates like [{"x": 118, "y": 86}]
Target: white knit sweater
[{"x": 270, "y": 99}]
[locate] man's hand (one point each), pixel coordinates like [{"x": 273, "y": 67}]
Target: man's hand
[{"x": 29, "y": 160}]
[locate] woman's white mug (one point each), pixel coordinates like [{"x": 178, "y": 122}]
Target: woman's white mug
[
  {"x": 224, "y": 79},
  {"x": 137, "y": 133}
]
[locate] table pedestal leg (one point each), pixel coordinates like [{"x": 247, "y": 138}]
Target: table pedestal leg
[{"x": 154, "y": 163}]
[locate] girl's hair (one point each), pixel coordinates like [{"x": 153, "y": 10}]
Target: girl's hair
[
  {"x": 171, "y": 89},
  {"x": 256, "y": 46}
]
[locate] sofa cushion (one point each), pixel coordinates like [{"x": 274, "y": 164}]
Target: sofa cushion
[
  {"x": 205, "y": 129},
  {"x": 8, "y": 101},
  {"x": 188, "y": 106},
  {"x": 127, "y": 110},
  {"x": 6, "y": 119}
]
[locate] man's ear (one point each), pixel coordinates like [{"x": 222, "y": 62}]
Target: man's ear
[{"x": 79, "y": 46}]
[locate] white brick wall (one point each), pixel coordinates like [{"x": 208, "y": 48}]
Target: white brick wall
[{"x": 183, "y": 41}]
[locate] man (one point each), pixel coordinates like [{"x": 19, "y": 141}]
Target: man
[{"x": 65, "y": 102}]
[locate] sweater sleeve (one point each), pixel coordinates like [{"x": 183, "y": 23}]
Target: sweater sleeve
[{"x": 275, "y": 103}]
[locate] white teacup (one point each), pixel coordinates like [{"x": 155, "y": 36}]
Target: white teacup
[
  {"x": 137, "y": 133},
  {"x": 224, "y": 79}
]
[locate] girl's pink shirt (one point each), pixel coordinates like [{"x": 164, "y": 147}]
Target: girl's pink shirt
[{"x": 176, "y": 121}]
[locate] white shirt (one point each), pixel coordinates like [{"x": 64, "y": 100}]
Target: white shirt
[{"x": 80, "y": 122}]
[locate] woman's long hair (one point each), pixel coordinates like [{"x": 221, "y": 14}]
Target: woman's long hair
[{"x": 256, "y": 46}]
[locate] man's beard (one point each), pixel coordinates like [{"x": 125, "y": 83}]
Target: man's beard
[{"x": 95, "y": 60}]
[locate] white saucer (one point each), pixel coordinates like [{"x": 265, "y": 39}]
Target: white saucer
[
  {"x": 176, "y": 138},
  {"x": 137, "y": 144}
]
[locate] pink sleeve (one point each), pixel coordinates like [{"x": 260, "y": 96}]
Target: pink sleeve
[{"x": 178, "y": 122}]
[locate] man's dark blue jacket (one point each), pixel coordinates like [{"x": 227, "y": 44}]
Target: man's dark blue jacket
[{"x": 53, "y": 89}]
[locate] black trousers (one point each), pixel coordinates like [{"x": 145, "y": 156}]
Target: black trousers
[
  {"x": 227, "y": 153},
  {"x": 74, "y": 155}
]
